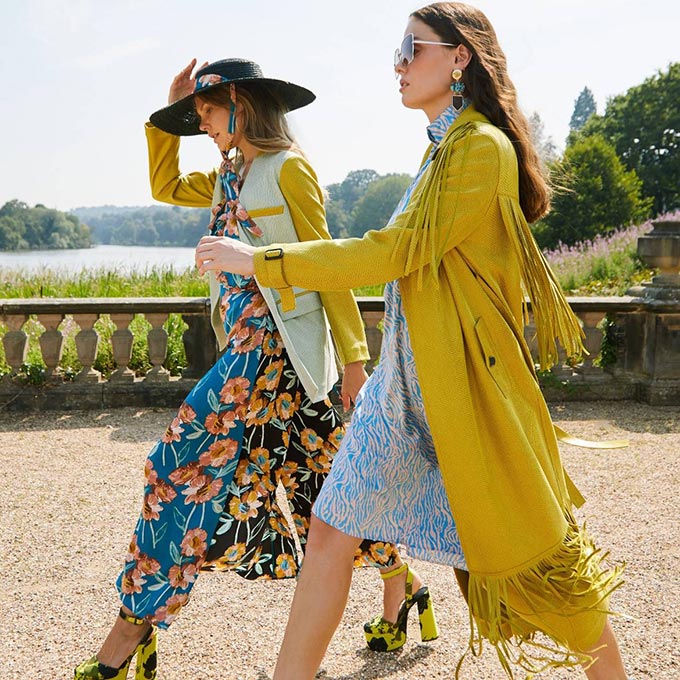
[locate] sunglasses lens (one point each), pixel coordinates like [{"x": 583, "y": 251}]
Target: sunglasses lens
[{"x": 404, "y": 55}]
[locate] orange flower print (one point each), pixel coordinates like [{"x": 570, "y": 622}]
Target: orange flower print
[
  {"x": 272, "y": 376},
  {"x": 220, "y": 423},
  {"x": 310, "y": 439},
  {"x": 219, "y": 453},
  {"x": 241, "y": 411},
  {"x": 263, "y": 487},
  {"x": 234, "y": 553},
  {"x": 151, "y": 507},
  {"x": 174, "y": 432},
  {"x": 321, "y": 464},
  {"x": 202, "y": 489},
  {"x": 260, "y": 456},
  {"x": 171, "y": 611},
  {"x": 285, "y": 438},
  {"x": 164, "y": 491},
  {"x": 256, "y": 557},
  {"x": 245, "y": 507},
  {"x": 150, "y": 474},
  {"x": 285, "y": 406},
  {"x": 279, "y": 524},
  {"x": 257, "y": 308},
  {"x": 381, "y": 553},
  {"x": 186, "y": 413},
  {"x": 301, "y": 524},
  {"x": 195, "y": 542},
  {"x": 335, "y": 437},
  {"x": 148, "y": 565},
  {"x": 133, "y": 550},
  {"x": 252, "y": 341},
  {"x": 246, "y": 472},
  {"x": 285, "y": 566},
  {"x": 132, "y": 582},
  {"x": 235, "y": 391},
  {"x": 181, "y": 576},
  {"x": 184, "y": 474},
  {"x": 260, "y": 411},
  {"x": 272, "y": 345}
]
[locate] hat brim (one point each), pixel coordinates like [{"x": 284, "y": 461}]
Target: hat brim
[{"x": 180, "y": 117}]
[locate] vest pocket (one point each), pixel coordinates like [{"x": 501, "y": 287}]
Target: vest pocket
[
  {"x": 266, "y": 212},
  {"x": 491, "y": 358},
  {"x": 305, "y": 301}
]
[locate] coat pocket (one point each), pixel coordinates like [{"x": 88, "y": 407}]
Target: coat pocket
[{"x": 492, "y": 360}]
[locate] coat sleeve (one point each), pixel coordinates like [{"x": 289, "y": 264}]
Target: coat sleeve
[
  {"x": 469, "y": 186},
  {"x": 304, "y": 197},
  {"x": 168, "y": 184}
]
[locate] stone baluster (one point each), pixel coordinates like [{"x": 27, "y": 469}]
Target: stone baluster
[
  {"x": 15, "y": 342},
  {"x": 530, "y": 337},
  {"x": 157, "y": 339},
  {"x": 200, "y": 346},
  {"x": 374, "y": 336},
  {"x": 592, "y": 342},
  {"x": 87, "y": 342},
  {"x": 51, "y": 344},
  {"x": 121, "y": 343}
]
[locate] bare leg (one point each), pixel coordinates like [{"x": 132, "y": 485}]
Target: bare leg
[
  {"x": 394, "y": 590},
  {"x": 121, "y": 641},
  {"x": 608, "y": 664},
  {"x": 319, "y": 601}
]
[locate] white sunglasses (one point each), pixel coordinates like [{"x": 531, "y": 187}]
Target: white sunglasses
[{"x": 404, "y": 55}]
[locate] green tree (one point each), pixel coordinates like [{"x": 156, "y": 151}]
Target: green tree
[
  {"x": 584, "y": 108},
  {"x": 597, "y": 195},
  {"x": 343, "y": 196},
  {"x": 375, "y": 207},
  {"x": 644, "y": 126}
]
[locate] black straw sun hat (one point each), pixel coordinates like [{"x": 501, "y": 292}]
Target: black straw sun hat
[{"x": 180, "y": 118}]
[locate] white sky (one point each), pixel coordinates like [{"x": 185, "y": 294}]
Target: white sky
[{"x": 80, "y": 77}]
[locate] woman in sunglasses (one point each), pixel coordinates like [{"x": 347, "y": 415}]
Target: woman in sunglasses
[
  {"x": 260, "y": 416},
  {"x": 451, "y": 450}
]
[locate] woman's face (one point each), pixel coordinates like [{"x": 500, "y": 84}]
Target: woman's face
[
  {"x": 425, "y": 83},
  {"x": 215, "y": 121}
]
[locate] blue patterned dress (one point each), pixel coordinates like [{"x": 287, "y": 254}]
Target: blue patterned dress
[{"x": 385, "y": 483}]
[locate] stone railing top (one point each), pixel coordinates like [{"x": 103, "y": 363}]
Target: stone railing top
[{"x": 182, "y": 305}]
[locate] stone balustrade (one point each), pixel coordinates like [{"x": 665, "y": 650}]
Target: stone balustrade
[{"x": 643, "y": 341}]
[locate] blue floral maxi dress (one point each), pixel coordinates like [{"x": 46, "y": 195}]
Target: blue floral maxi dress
[
  {"x": 386, "y": 484},
  {"x": 247, "y": 426}
]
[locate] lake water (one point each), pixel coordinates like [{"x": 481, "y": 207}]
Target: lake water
[{"x": 121, "y": 258}]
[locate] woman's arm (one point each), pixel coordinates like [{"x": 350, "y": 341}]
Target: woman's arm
[
  {"x": 469, "y": 189},
  {"x": 168, "y": 184}
]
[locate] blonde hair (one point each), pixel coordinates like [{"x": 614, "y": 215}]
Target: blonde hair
[{"x": 263, "y": 116}]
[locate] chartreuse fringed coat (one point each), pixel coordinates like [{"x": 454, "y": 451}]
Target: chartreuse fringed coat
[{"x": 464, "y": 257}]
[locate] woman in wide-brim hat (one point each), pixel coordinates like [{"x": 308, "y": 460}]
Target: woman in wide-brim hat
[{"x": 260, "y": 416}]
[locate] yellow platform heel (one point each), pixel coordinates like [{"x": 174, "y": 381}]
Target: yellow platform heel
[
  {"x": 146, "y": 652},
  {"x": 386, "y": 636}
]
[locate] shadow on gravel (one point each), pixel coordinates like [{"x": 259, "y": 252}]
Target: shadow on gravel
[{"x": 377, "y": 665}]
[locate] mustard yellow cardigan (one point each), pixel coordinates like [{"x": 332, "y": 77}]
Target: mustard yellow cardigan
[{"x": 463, "y": 253}]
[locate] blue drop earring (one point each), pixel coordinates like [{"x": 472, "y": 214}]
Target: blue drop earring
[{"x": 457, "y": 88}]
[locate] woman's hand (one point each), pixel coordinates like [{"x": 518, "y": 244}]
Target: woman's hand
[
  {"x": 183, "y": 84},
  {"x": 353, "y": 378},
  {"x": 224, "y": 254}
]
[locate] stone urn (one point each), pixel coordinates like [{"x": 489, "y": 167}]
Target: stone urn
[{"x": 661, "y": 249}]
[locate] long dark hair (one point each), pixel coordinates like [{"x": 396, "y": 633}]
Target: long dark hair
[{"x": 492, "y": 92}]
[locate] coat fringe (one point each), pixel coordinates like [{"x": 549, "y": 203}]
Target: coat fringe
[{"x": 571, "y": 581}]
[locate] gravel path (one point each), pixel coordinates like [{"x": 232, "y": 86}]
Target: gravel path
[{"x": 72, "y": 492}]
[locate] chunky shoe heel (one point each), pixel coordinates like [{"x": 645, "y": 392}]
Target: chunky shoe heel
[
  {"x": 387, "y": 636},
  {"x": 146, "y": 652},
  {"x": 426, "y": 617}
]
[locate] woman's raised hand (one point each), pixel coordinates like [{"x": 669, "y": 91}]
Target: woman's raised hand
[
  {"x": 223, "y": 254},
  {"x": 183, "y": 83}
]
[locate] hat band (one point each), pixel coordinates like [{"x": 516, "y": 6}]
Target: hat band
[{"x": 208, "y": 80}]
